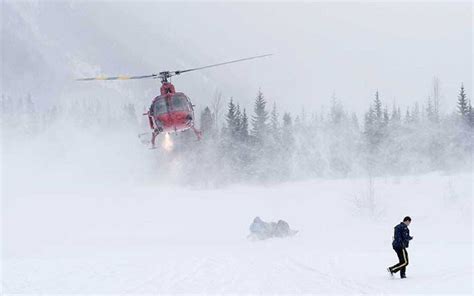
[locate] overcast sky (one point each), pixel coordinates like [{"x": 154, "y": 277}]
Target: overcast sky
[{"x": 351, "y": 49}]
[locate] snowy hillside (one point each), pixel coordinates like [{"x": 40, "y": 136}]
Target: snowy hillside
[{"x": 46, "y": 45}]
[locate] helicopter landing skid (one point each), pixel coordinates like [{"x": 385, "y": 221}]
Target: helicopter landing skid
[
  {"x": 154, "y": 134},
  {"x": 198, "y": 133},
  {"x": 145, "y": 139}
]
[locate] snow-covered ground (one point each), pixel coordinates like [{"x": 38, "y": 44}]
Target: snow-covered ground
[
  {"x": 65, "y": 233},
  {"x": 85, "y": 209}
]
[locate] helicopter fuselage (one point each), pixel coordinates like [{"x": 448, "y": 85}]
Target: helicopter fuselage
[{"x": 171, "y": 111}]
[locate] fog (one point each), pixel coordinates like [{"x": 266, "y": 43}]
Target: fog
[
  {"x": 360, "y": 117},
  {"x": 351, "y": 49}
]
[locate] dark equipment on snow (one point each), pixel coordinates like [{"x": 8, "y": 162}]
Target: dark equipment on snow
[
  {"x": 170, "y": 111},
  {"x": 261, "y": 230}
]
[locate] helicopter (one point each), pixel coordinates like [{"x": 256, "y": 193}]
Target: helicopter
[{"x": 170, "y": 111}]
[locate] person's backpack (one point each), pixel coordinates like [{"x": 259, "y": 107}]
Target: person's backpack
[{"x": 282, "y": 229}]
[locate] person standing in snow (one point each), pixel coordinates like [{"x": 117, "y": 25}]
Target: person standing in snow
[{"x": 401, "y": 238}]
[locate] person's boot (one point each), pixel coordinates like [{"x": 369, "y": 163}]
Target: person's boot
[
  {"x": 403, "y": 276},
  {"x": 390, "y": 271}
]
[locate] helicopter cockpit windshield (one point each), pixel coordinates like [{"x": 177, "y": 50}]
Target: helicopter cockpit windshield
[
  {"x": 159, "y": 106},
  {"x": 179, "y": 102}
]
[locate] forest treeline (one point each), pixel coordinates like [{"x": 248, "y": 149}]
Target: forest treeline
[{"x": 265, "y": 145}]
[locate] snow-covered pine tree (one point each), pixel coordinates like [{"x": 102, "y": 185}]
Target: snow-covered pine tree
[
  {"x": 287, "y": 122},
  {"x": 207, "y": 122},
  {"x": 29, "y": 115},
  {"x": 287, "y": 146},
  {"x": 463, "y": 104},
  {"x": 415, "y": 114},
  {"x": 287, "y": 132},
  {"x": 336, "y": 113},
  {"x": 471, "y": 115},
  {"x": 355, "y": 121},
  {"x": 260, "y": 118},
  {"x": 238, "y": 122},
  {"x": 244, "y": 127},
  {"x": 375, "y": 133},
  {"x": 378, "y": 108},
  {"x": 369, "y": 122},
  {"x": 395, "y": 117},
  {"x": 386, "y": 117},
  {"x": 130, "y": 115},
  {"x": 436, "y": 92},
  {"x": 231, "y": 119},
  {"x": 430, "y": 113},
  {"x": 408, "y": 118},
  {"x": 274, "y": 124}
]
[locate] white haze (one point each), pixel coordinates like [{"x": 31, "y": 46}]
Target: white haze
[
  {"x": 351, "y": 49},
  {"x": 87, "y": 209}
]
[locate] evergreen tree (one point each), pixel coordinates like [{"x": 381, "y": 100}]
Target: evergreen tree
[
  {"x": 29, "y": 105},
  {"x": 471, "y": 115},
  {"x": 287, "y": 144},
  {"x": 378, "y": 107},
  {"x": 298, "y": 122},
  {"x": 463, "y": 104},
  {"x": 287, "y": 121},
  {"x": 303, "y": 116},
  {"x": 274, "y": 125},
  {"x": 386, "y": 117},
  {"x": 287, "y": 132},
  {"x": 355, "y": 121},
  {"x": 415, "y": 114},
  {"x": 314, "y": 120},
  {"x": 336, "y": 114},
  {"x": 436, "y": 92},
  {"x": 238, "y": 120},
  {"x": 374, "y": 124},
  {"x": 207, "y": 121},
  {"x": 395, "y": 116},
  {"x": 130, "y": 114},
  {"x": 408, "y": 118},
  {"x": 369, "y": 122},
  {"x": 231, "y": 119},
  {"x": 244, "y": 127},
  {"x": 29, "y": 116},
  {"x": 259, "y": 120},
  {"x": 430, "y": 112}
]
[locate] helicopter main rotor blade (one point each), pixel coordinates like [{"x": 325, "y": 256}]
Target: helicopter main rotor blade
[
  {"x": 117, "y": 77},
  {"x": 220, "y": 64},
  {"x": 166, "y": 74}
]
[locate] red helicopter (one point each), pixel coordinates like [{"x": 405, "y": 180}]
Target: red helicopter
[{"x": 171, "y": 111}]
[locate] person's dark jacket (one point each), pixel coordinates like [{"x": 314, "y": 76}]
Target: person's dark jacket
[{"x": 401, "y": 236}]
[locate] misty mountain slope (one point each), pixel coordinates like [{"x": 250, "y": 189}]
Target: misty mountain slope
[
  {"x": 159, "y": 239},
  {"x": 45, "y": 46}
]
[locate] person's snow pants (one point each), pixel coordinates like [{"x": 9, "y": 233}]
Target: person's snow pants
[{"x": 403, "y": 261}]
